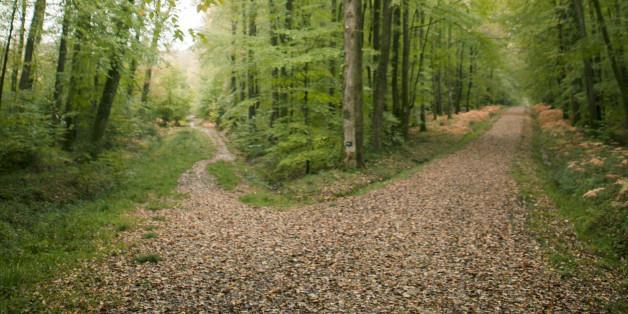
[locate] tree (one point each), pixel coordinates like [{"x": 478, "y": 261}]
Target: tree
[
  {"x": 34, "y": 36},
  {"x": 352, "y": 100},
  {"x": 113, "y": 76},
  {"x": 381, "y": 77},
  {"x": 5, "y": 58}
]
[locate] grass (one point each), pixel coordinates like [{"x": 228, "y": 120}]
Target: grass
[
  {"x": 147, "y": 258},
  {"x": 565, "y": 223},
  {"x": 149, "y": 235},
  {"x": 225, "y": 174},
  {"x": 51, "y": 220}
]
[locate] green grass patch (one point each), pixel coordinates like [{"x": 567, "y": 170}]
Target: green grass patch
[
  {"x": 149, "y": 235},
  {"x": 147, "y": 258},
  {"x": 263, "y": 198},
  {"x": 51, "y": 219},
  {"x": 225, "y": 174}
]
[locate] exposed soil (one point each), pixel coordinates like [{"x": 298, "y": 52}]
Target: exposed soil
[{"x": 448, "y": 239}]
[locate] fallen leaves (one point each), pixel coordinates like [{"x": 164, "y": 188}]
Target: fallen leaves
[
  {"x": 447, "y": 239},
  {"x": 592, "y": 194}
]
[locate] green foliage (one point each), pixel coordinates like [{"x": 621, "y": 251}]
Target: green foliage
[
  {"x": 49, "y": 220},
  {"x": 147, "y": 258},
  {"x": 173, "y": 97},
  {"x": 276, "y": 87}
]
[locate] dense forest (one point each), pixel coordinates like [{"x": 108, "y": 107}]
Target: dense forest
[
  {"x": 78, "y": 75},
  {"x": 281, "y": 66}
]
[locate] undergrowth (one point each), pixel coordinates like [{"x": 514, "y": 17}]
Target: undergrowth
[
  {"x": 380, "y": 168},
  {"x": 584, "y": 237},
  {"x": 50, "y": 220}
]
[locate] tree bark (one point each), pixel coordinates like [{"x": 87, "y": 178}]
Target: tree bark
[
  {"x": 63, "y": 51},
  {"x": 616, "y": 66},
  {"x": 352, "y": 98},
  {"x": 113, "y": 80},
  {"x": 34, "y": 36},
  {"x": 395, "y": 62},
  {"x": 154, "y": 47},
  {"x": 7, "y": 47},
  {"x": 587, "y": 63},
  {"x": 20, "y": 48},
  {"x": 405, "y": 72},
  {"x": 379, "y": 92}
]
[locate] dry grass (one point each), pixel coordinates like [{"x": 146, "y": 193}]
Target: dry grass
[
  {"x": 461, "y": 124},
  {"x": 552, "y": 119}
]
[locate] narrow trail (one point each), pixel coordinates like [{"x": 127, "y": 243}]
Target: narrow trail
[
  {"x": 197, "y": 179},
  {"x": 448, "y": 239}
]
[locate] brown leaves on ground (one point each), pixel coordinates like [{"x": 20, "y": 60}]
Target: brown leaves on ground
[
  {"x": 448, "y": 239},
  {"x": 461, "y": 123},
  {"x": 552, "y": 119}
]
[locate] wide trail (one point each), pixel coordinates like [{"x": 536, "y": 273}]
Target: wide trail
[{"x": 449, "y": 238}]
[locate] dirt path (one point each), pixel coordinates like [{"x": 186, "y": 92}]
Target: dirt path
[
  {"x": 447, "y": 239},
  {"x": 197, "y": 180}
]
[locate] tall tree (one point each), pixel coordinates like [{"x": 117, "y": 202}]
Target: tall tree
[
  {"x": 114, "y": 75},
  {"x": 353, "y": 85},
  {"x": 159, "y": 19},
  {"x": 579, "y": 19},
  {"x": 20, "y": 47},
  {"x": 615, "y": 61},
  {"x": 7, "y": 47},
  {"x": 381, "y": 77},
  {"x": 34, "y": 36},
  {"x": 61, "y": 59}
]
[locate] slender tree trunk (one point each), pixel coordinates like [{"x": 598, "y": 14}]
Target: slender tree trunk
[
  {"x": 616, "y": 66},
  {"x": 252, "y": 75},
  {"x": 352, "y": 102},
  {"x": 470, "y": 84},
  {"x": 34, "y": 36},
  {"x": 379, "y": 92},
  {"x": 405, "y": 72},
  {"x": 459, "y": 80},
  {"x": 130, "y": 88},
  {"x": 586, "y": 60},
  {"x": 7, "y": 47},
  {"x": 113, "y": 80},
  {"x": 154, "y": 48},
  {"x": 20, "y": 48},
  {"x": 395, "y": 62},
  {"x": 63, "y": 51}
]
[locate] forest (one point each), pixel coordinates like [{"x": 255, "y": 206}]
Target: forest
[{"x": 104, "y": 106}]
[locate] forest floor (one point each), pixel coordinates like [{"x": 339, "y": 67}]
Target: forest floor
[{"x": 449, "y": 238}]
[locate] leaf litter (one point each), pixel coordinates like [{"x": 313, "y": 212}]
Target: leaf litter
[{"x": 450, "y": 239}]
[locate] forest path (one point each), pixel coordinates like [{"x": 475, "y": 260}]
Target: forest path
[
  {"x": 448, "y": 239},
  {"x": 197, "y": 180}
]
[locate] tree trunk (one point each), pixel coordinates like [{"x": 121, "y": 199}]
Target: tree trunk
[
  {"x": 406, "y": 106},
  {"x": 154, "y": 47},
  {"x": 352, "y": 98},
  {"x": 381, "y": 79},
  {"x": 63, "y": 51},
  {"x": 113, "y": 80},
  {"x": 395, "y": 62},
  {"x": 470, "y": 84},
  {"x": 20, "y": 48},
  {"x": 34, "y": 36},
  {"x": 130, "y": 88},
  {"x": 7, "y": 47},
  {"x": 617, "y": 67},
  {"x": 586, "y": 60}
]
